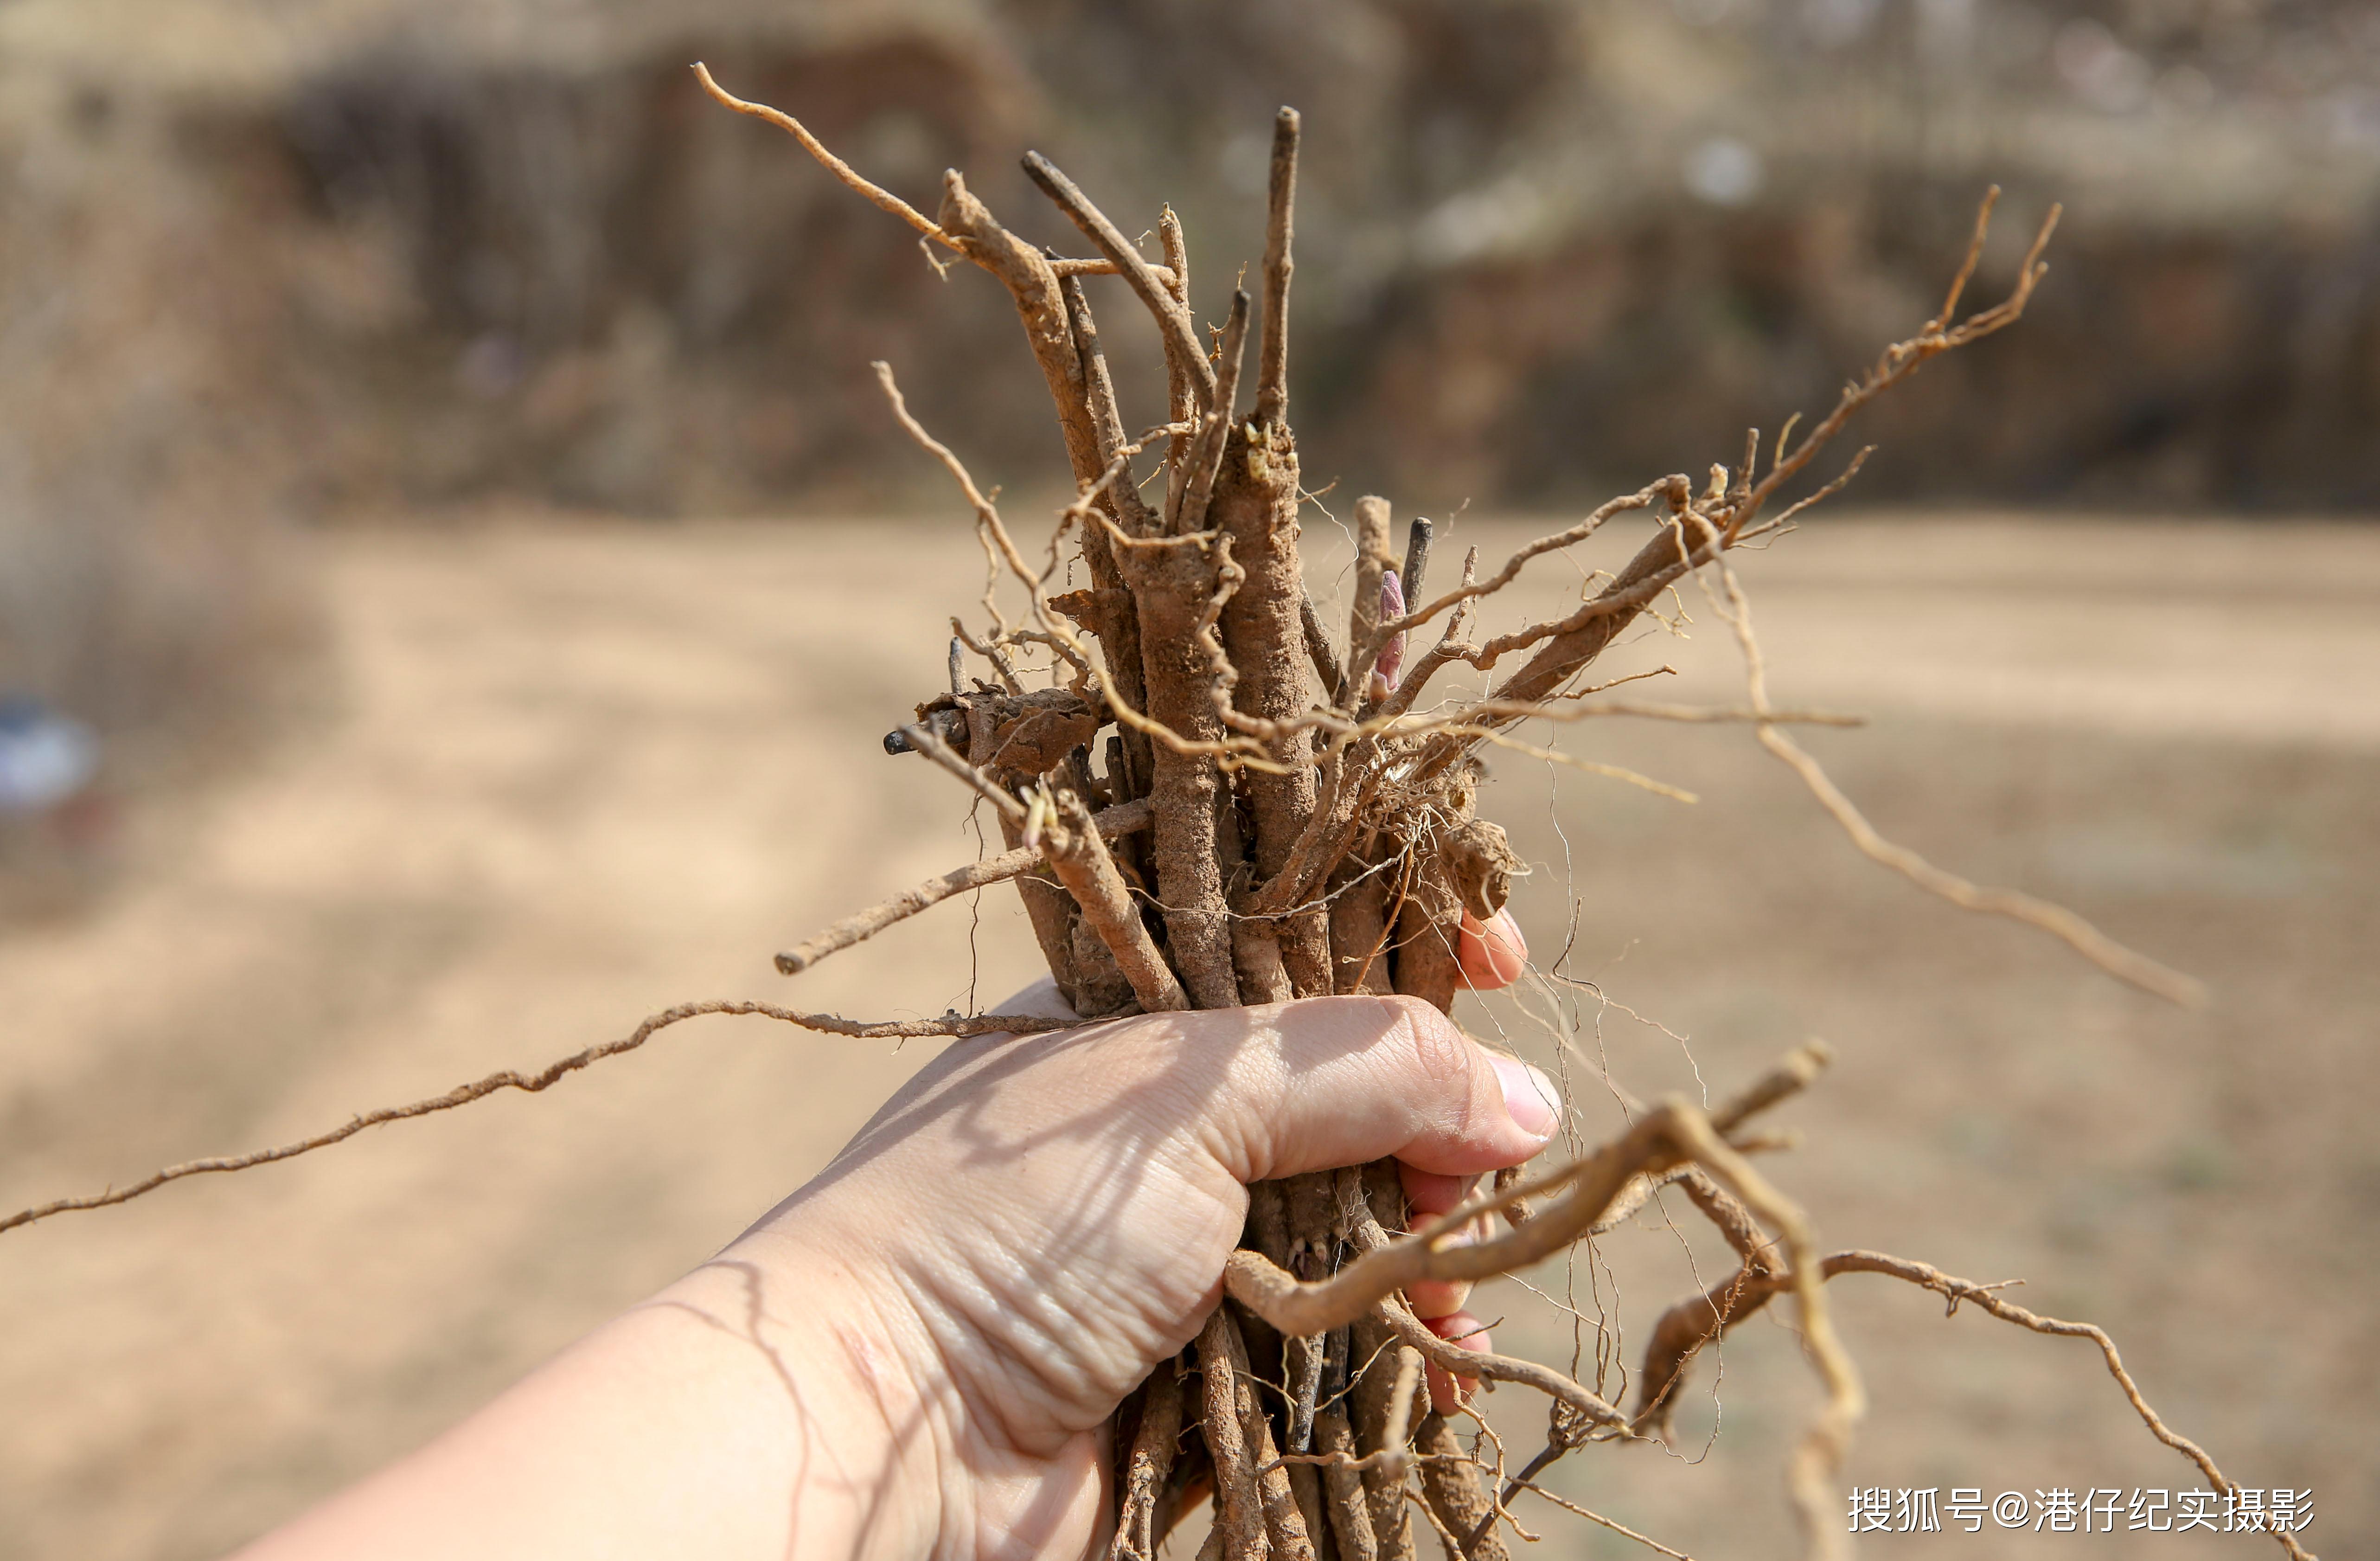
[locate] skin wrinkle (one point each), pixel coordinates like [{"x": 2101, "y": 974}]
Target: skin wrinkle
[
  {"x": 966, "y": 1313},
  {"x": 970, "y": 1303},
  {"x": 1111, "y": 1157},
  {"x": 1010, "y": 1150},
  {"x": 974, "y": 1329},
  {"x": 967, "y": 1095},
  {"x": 1443, "y": 1055},
  {"x": 951, "y": 1334},
  {"x": 1426, "y": 1110},
  {"x": 1159, "y": 1070}
]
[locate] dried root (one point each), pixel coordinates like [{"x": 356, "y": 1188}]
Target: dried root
[
  {"x": 538, "y": 1082},
  {"x": 1207, "y": 801}
]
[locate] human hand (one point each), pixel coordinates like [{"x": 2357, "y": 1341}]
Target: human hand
[
  {"x": 1491, "y": 955},
  {"x": 918, "y": 1353},
  {"x": 1032, "y": 1225}
]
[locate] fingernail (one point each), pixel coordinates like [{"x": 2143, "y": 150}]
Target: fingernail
[{"x": 1529, "y": 1096}]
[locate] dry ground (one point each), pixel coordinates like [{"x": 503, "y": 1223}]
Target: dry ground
[{"x": 579, "y": 774}]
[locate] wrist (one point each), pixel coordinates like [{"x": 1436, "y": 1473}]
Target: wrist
[{"x": 862, "y": 1451}]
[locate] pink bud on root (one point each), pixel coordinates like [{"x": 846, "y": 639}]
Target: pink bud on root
[{"x": 1392, "y": 605}]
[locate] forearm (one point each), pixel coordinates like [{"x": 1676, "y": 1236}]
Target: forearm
[
  {"x": 746, "y": 1411},
  {"x": 918, "y": 1356}
]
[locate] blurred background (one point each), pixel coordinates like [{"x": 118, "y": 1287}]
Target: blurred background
[{"x": 455, "y": 566}]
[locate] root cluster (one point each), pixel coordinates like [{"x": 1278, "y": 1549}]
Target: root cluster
[{"x": 1209, "y": 796}]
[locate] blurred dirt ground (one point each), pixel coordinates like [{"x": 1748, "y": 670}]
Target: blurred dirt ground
[{"x": 581, "y": 773}]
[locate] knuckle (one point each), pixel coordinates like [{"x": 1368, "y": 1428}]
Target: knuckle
[{"x": 1444, "y": 1061}]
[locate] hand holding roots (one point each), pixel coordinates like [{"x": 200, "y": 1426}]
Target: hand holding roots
[{"x": 1211, "y": 802}]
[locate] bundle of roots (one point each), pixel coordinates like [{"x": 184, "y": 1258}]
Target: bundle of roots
[{"x": 1213, "y": 798}]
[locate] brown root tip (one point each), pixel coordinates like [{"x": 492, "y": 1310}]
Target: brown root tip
[{"x": 1417, "y": 560}]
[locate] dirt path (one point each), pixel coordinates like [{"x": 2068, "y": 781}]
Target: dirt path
[{"x": 581, "y": 773}]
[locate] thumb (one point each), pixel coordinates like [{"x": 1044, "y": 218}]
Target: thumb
[{"x": 1343, "y": 1080}]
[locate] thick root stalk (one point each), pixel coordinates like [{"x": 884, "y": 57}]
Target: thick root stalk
[
  {"x": 1451, "y": 1485},
  {"x": 1238, "y": 1505},
  {"x": 1154, "y": 1447},
  {"x": 1080, "y": 860},
  {"x": 1187, "y": 790}
]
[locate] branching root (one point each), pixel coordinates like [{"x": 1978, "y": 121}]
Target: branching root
[{"x": 1205, "y": 800}]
